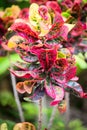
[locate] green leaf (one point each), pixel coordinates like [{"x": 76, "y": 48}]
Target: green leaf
[{"x": 65, "y": 14}]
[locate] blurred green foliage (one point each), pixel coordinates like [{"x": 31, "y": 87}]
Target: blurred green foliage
[
  {"x": 30, "y": 111},
  {"x": 5, "y": 62},
  {"x": 80, "y": 62},
  {"x": 8, "y": 3},
  {"x": 85, "y": 1},
  {"x": 7, "y": 99},
  {"x": 9, "y": 123}
]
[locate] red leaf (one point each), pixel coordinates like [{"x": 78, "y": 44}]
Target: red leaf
[
  {"x": 78, "y": 29},
  {"x": 64, "y": 32},
  {"x": 46, "y": 56},
  {"x": 49, "y": 90},
  {"x": 85, "y": 95},
  {"x": 71, "y": 73},
  {"x": 54, "y": 6},
  {"x": 24, "y": 29},
  {"x": 67, "y": 3},
  {"x": 24, "y": 13},
  {"x": 43, "y": 12}
]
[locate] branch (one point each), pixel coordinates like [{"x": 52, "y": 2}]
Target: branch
[{"x": 17, "y": 97}]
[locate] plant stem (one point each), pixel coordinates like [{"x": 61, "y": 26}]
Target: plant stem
[
  {"x": 17, "y": 97},
  {"x": 52, "y": 118},
  {"x": 40, "y": 115},
  {"x": 67, "y": 114}
]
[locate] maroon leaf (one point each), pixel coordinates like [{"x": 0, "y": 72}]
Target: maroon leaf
[
  {"x": 46, "y": 56},
  {"x": 76, "y": 11},
  {"x": 61, "y": 63}
]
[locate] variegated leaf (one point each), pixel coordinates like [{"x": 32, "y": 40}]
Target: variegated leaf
[
  {"x": 76, "y": 88},
  {"x": 59, "y": 92}
]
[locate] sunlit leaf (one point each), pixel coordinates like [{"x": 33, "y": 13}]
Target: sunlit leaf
[
  {"x": 28, "y": 85},
  {"x": 24, "y": 126},
  {"x": 62, "y": 106},
  {"x": 4, "y": 126}
]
